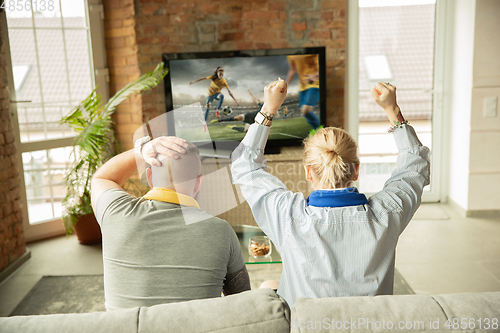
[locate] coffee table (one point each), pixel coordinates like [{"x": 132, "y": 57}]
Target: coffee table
[{"x": 244, "y": 232}]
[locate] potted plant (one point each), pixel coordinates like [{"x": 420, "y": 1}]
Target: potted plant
[{"x": 94, "y": 145}]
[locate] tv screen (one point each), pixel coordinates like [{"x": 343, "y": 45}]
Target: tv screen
[{"x": 214, "y": 96}]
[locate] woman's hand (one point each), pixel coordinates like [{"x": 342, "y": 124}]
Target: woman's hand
[
  {"x": 384, "y": 94},
  {"x": 274, "y": 95},
  {"x": 169, "y": 146}
]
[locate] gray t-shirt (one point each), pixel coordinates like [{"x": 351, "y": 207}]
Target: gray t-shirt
[{"x": 154, "y": 253}]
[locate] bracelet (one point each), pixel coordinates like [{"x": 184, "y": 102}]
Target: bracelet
[
  {"x": 396, "y": 125},
  {"x": 138, "y": 146}
]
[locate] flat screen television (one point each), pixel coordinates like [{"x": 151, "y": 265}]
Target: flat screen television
[{"x": 188, "y": 90}]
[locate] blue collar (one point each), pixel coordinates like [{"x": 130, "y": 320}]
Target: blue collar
[{"x": 337, "y": 198}]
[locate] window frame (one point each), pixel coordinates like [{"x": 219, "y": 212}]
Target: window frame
[
  {"x": 99, "y": 78},
  {"x": 442, "y": 26}
]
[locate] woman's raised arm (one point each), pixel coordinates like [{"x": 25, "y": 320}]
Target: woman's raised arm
[
  {"x": 402, "y": 192},
  {"x": 200, "y": 79},
  {"x": 384, "y": 95}
]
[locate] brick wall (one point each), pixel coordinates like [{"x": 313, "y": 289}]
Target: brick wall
[
  {"x": 122, "y": 57},
  {"x": 138, "y": 32},
  {"x": 197, "y": 25},
  {"x": 12, "y": 243}
]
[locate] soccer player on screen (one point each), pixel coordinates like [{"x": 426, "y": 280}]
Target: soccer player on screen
[
  {"x": 215, "y": 90},
  {"x": 307, "y": 67},
  {"x": 247, "y": 118}
]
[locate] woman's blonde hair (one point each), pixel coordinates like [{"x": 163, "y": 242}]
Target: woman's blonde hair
[{"x": 332, "y": 155}]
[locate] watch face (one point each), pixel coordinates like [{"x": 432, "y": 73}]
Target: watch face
[
  {"x": 263, "y": 120},
  {"x": 259, "y": 118}
]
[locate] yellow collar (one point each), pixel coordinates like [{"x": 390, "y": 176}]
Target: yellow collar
[{"x": 166, "y": 195}]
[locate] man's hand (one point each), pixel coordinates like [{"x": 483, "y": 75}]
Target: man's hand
[
  {"x": 274, "y": 95},
  {"x": 169, "y": 146},
  {"x": 384, "y": 94}
]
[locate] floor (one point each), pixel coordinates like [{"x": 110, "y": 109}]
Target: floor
[{"x": 439, "y": 252}]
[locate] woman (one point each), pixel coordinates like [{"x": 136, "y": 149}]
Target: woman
[
  {"x": 214, "y": 91},
  {"x": 336, "y": 242}
]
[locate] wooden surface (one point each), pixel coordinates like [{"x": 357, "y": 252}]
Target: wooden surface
[{"x": 224, "y": 199}]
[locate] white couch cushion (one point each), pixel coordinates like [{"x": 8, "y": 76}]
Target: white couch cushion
[
  {"x": 253, "y": 311},
  {"x": 405, "y": 313},
  {"x": 123, "y": 321}
]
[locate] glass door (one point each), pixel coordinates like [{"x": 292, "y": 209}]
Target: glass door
[
  {"x": 397, "y": 44},
  {"x": 52, "y": 70}
]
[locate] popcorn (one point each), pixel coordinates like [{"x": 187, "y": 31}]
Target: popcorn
[{"x": 259, "y": 249}]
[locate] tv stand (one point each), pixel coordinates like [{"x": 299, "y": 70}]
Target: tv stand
[
  {"x": 272, "y": 150},
  {"x": 287, "y": 166}
]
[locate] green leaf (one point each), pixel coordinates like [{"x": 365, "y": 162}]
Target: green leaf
[
  {"x": 314, "y": 131},
  {"x": 94, "y": 142},
  {"x": 144, "y": 82}
]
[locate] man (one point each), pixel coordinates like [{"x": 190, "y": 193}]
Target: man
[
  {"x": 162, "y": 248},
  {"x": 285, "y": 113},
  {"x": 247, "y": 118},
  {"x": 308, "y": 68}
]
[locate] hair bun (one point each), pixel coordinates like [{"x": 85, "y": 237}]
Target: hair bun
[
  {"x": 332, "y": 154},
  {"x": 332, "y": 151}
]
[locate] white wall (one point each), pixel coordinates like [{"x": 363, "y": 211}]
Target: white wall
[
  {"x": 460, "y": 92},
  {"x": 474, "y": 168},
  {"x": 484, "y": 181}
]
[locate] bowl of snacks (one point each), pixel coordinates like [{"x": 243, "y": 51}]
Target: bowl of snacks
[{"x": 259, "y": 247}]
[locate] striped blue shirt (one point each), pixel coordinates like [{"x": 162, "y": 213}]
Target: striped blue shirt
[{"x": 326, "y": 252}]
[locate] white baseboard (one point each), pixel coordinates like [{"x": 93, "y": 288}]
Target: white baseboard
[
  {"x": 7, "y": 271},
  {"x": 483, "y": 213}
]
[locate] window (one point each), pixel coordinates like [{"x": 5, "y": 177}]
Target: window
[
  {"x": 377, "y": 68},
  {"x": 20, "y": 73},
  {"x": 397, "y": 45}
]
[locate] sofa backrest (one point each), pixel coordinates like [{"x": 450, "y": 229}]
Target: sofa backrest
[
  {"x": 113, "y": 321},
  {"x": 262, "y": 310},
  {"x": 405, "y": 313}
]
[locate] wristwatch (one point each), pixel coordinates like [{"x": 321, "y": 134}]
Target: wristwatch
[
  {"x": 262, "y": 119},
  {"x": 138, "y": 146}
]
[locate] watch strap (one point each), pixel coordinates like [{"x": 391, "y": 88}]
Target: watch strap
[
  {"x": 262, "y": 119},
  {"x": 138, "y": 146}
]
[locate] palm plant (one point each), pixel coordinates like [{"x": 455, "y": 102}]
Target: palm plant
[{"x": 94, "y": 143}]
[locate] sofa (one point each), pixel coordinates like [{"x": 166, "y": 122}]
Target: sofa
[{"x": 263, "y": 311}]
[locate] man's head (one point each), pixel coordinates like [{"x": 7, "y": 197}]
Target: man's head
[{"x": 182, "y": 175}]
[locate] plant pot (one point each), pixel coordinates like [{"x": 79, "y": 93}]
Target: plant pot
[{"x": 88, "y": 230}]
